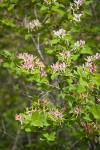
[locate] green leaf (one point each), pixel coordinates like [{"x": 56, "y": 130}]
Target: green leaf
[
  {"x": 11, "y": 7},
  {"x": 95, "y": 109},
  {"x": 54, "y": 41},
  {"x": 44, "y": 8},
  {"x": 8, "y": 22},
  {"x": 86, "y": 51},
  {"x": 27, "y": 36},
  {"x": 50, "y": 137}
]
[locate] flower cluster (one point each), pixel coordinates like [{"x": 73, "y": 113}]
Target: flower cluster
[
  {"x": 29, "y": 62},
  {"x": 19, "y": 118},
  {"x": 61, "y": 33},
  {"x": 32, "y": 24},
  {"x": 93, "y": 58},
  {"x": 90, "y": 128},
  {"x": 77, "y": 110},
  {"x": 77, "y": 17},
  {"x": 80, "y": 43},
  {"x": 78, "y": 3},
  {"x": 57, "y": 114},
  {"x": 65, "y": 54},
  {"x": 90, "y": 66},
  {"x": 49, "y": 2},
  {"x": 58, "y": 66}
]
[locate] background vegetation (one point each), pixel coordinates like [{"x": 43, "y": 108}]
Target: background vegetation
[{"x": 21, "y": 88}]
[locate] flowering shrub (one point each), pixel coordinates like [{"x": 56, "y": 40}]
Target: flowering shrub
[{"x": 67, "y": 84}]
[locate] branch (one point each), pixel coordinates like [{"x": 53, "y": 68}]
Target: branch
[
  {"x": 38, "y": 47},
  {"x": 16, "y": 139}
]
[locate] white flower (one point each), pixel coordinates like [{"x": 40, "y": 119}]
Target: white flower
[
  {"x": 77, "y": 17},
  {"x": 60, "y": 33},
  {"x": 37, "y": 23},
  {"x": 48, "y": 2},
  {"x": 32, "y": 24},
  {"x": 78, "y": 3}
]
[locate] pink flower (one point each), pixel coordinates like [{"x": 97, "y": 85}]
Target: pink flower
[
  {"x": 93, "y": 68},
  {"x": 57, "y": 114},
  {"x": 82, "y": 42},
  {"x": 19, "y": 118},
  {"x": 43, "y": 72},
  {"x": 28, "y": 65},
  {"x": 26, "y": 57},
  {"x": 55, "y": 67},
  {"x": 58, "y": 66},
  {"x": 62, "y": 66}
]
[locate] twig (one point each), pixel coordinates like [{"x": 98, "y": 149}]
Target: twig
[
  {"x": 38, "y": 47},
  {"x": 16, "y": 139}
]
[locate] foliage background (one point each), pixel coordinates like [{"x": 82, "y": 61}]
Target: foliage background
[{"x": 15, "y": 93}]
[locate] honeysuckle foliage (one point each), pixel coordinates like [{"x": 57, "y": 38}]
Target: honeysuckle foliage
[{"x": 63, "y": 68}]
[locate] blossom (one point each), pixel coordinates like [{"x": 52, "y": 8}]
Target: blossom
[
  {"x": 93, "y": 68},
  {"x": 93, "y": 58},
  {"x": 65, "y": 54},
  {"x": 62, "y": 66},
  {"x": 48, "y": 2},
  {"x": 39, "y": 63},
  {"x": 26, "y": 57},
  {"x": 28, "y": 65},
  {"x": 19, "y": 118},
  {"x": 28, "y": 60},
  {"x": 78, "y": 3},
  {"x": 55, "y": 67},
  {"x": 57, "y": 114},
  {"x": 78, "y": 44},
  {"x": 77, "y": 17},
  {"x": 32, "y": 24},
  {"x": 58, "y": 66},
  {"x": 43, "y": 72},
  {"x": 61, "y": 33},
  {"x": 77, "y": 110},
  {"x": 82, "y": 42}
]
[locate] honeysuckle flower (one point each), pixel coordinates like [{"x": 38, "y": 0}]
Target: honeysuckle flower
[
  {"x": 77, "y": 17},
  {"x": 43, "y": 72},
  {"x": 84, "y": 95},
  {"x": 55, "y": 67},
  {"x": 82, "y": 42},
  {"x": 39, "y": 63},
  {"x": 78, "y": 44},
  {"x": 57, "y": 113},
  {"x": 78, "y": 3},
  {"x": 26, "y": 57},
  {"x": 65, "y": 54},
  {"x": 28, "y": 65},
  {"x": 62, "y": 66},
  {"x": 61, "y": 33},
  {"x": 77, "y": 110},
  {"x": 19, "y": 118},
  {"x": 32, "y": 24},
  {"x": 49, "y": 2},
  {"x": 90, "y": 127},
  {"x": 89, "y": 65},
  {"x": 97, "y": 56},
  {"x": 93, "y": 58},
  {"x": 58, "y": 66},
  {"x": 93, "y": 68}
]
